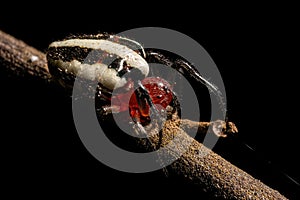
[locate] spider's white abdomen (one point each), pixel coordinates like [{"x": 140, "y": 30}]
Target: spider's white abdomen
[{"x": 67, "y": 55}]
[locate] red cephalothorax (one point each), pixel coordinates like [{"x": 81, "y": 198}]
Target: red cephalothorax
[{"x": 160, "y": 95}]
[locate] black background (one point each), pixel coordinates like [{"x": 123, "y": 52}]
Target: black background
[{"x": 255, "y": 50}]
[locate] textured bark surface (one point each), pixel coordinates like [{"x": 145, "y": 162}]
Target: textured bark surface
[
  {"x": 21, "y": 59},
  {"x": 199, "y": 165},
  {"x": 195, "y": 164}
]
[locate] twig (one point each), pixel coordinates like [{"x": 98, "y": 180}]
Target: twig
[
  {"x": 201, "y": 166},
  {"x": 198, "y": 165},
  {"x": 21, "y": 59}
]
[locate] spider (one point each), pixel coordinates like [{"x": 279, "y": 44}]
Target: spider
[{"x": 121, "y": 65}]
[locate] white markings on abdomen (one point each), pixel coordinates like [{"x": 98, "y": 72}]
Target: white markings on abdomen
[{"x": 132, "y": 58}]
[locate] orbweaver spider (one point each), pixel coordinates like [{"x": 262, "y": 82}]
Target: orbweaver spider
[{"x": 119, "y": 64}]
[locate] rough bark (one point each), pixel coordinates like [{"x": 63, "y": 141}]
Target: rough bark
[
  {"x": 199, "y": 165},
  {"x": 21, "y": 59}
]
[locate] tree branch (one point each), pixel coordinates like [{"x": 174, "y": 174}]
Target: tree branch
[
  {"x": 198, "y": 164},
  {"x": 201, "y": 166},
  {"x": 22, "y": 60}
]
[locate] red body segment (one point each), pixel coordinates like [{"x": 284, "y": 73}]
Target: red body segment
[{"x": 160, "y": 94}]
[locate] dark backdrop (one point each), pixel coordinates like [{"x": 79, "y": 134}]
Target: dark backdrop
[{"x": 254, "y": 50}]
